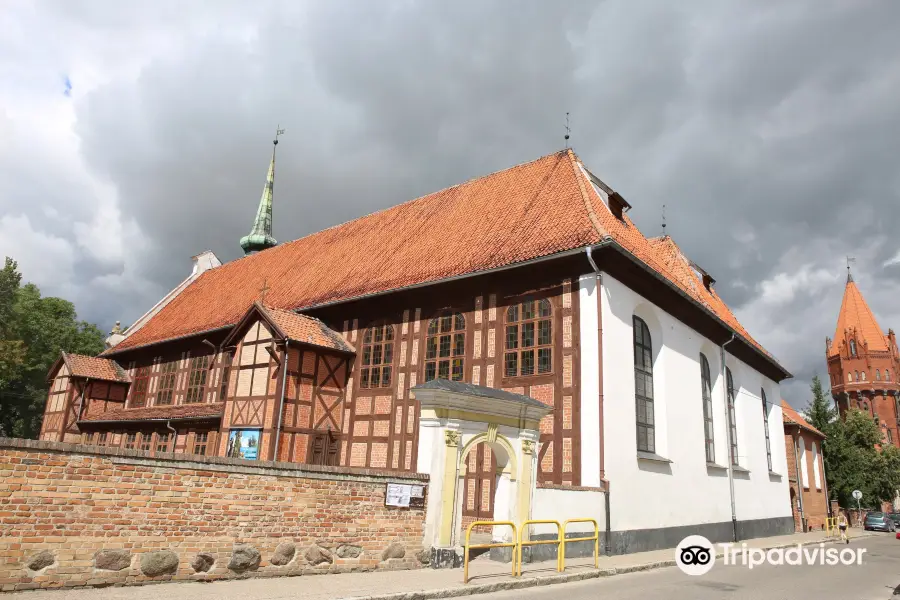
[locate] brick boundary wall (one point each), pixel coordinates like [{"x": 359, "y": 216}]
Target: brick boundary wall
[{"x": 74, "y": 515}]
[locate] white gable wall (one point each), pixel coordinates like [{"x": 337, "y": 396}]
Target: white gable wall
[{"x": 648, "y": 494}]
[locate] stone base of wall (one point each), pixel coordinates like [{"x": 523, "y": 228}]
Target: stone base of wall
[
  {"x": 81, "y": 516},
  {"x": 642, "y": 540}
]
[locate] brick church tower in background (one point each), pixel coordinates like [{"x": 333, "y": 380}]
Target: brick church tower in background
[{"x": 864, "y": 364}]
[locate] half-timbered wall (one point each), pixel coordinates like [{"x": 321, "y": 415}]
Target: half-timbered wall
[
  {"x": 59, "y": 401},
  {"x": 313, "y": 421},
  {"x": 383, "y": 419},
  {"x": 255, "y": 379}
]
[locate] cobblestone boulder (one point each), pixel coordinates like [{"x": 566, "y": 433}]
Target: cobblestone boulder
[
  {"x": 395, "y": 550},
  {"x": 424, "y": 556},
  {"x": 161, "y": 562},
  {"x": 41, "y": 560},
  {"x": 348, "y": 551},
  {"x": 316, "y": 555},
  {"x": 203, "y": 562},
  {"x": 284, "y": 554},
  {"x": 112, "y": 560},
  {"x": 244, "y": 558}
]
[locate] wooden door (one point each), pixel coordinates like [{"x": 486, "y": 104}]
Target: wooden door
[
  {"x": 478, "y": 486},
  {"x": 325, "y": 449}
]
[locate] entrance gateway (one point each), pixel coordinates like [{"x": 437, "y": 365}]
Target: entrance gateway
[{"x": 456, "y": 420}]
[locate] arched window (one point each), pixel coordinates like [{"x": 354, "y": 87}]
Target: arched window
[
  {"x": 377, "y": 356},
  {"x": 887, "y": 374},
  {"x": 765, "y": 407},
  {"x": 852, "y": 348},
  {"x": 732, "y": 418},
  {"x": 877, "y": 374},
  {"x": 863, "y": 375},
  {"x": 709, "y": 432},
  {"x": 445, "y": 347},
  {"x": 856, "y": 375},
  {"x": 643, "y": 386},
  {"x": 529, "y": 338},
  {"x": 849, "y": 376}
]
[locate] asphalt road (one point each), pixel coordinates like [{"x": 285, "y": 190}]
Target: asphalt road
[{"x": 875, "y": 579}]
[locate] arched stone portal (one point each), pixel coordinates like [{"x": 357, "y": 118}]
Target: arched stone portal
[{"x": 455, "y": 418}]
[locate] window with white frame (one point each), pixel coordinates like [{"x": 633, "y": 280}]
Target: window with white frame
[
  {"x": 804, "y": 471},
  {"x": 732, "y": 415},
  {"x": 708, "y": 430},
  {"x": 643, "y": 386},
  {"x": 815, "y": 460},
  {"x": 765, "y": 409}
]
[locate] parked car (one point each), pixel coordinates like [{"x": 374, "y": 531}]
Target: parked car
[
  {"x": 879, "y": 521},
  {"x": 895, "y": 517}
]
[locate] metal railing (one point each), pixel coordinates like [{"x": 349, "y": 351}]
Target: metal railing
[
  {"x": 519, "y": 542},
  {"x": 595, "y": 538},
  {"x": 513, "y": 544},
  {"x": 558, "y": 541}
]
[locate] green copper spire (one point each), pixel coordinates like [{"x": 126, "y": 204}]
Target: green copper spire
[{"x": 260, "y": 237}]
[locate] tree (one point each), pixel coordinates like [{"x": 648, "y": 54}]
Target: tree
[
  {"x": 820, "y": 413},
  {"x": 33, "y": 331},
  {"x": 853, "y": 462}
]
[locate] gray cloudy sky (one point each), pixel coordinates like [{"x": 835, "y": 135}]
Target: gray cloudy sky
[{"x": 771, "y": 130}]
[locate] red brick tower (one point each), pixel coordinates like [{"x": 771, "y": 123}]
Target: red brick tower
[{"x": 864, "y": 364}]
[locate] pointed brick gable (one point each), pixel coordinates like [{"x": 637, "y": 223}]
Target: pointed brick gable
[
  {"x": 856, "y": 314},
  {"x": 792, "y": 417}
]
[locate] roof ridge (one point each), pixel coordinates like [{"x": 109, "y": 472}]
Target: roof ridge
[{"x": 592, "y": 216}]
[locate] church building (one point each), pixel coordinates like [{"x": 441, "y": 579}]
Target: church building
[
  {"x": 528, "y": 294},
  {"x": 863, "y": 364}
]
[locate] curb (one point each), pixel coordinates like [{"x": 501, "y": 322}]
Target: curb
[{"x": 530, "y": 582}]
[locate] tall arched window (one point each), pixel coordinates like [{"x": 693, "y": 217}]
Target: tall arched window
[
  {"x": 852, "y": 348},
  {"x": 643, "y": 386},
  {"x": 529, "y": 338},
  {"x": 732, "y": 417},
  {"x": 877, "y": 374},
  {"x": 445, "y": 347},
  {"x": 856, "y": 375},
  {"x": 765, "y": 407},
  {"x": 887, "y": 374},
  {"x": 706, "y": 385},
  {"x": 377, "y": 356},
  {"x": 863, "y": 375}
]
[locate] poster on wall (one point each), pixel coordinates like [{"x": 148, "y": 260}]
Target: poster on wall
[
  {"x": 243, "y": 443},
  {"x": 404, "y": 495}
]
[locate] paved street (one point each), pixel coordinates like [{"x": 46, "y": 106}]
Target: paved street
[{"x": 875, "y": 579}]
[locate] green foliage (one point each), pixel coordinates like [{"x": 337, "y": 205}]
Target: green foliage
[
  {"x": 820, "y": 413},
  {"x": 33, "y": 331},
  {"x": 853, "y": 462}
]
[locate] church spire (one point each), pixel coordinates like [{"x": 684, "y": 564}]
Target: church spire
[
  {"x": 260, "y": 236},
  {"x": 857, "y": 317}
]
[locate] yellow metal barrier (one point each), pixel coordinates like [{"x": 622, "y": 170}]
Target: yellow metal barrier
[
  {"x": 513, "y": 544},
  {"x": 557, "y": 541},
  {"x": 595, "y": 538},
  {"x": 830, "y": 526}
]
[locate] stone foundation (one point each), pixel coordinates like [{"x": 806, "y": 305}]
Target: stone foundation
[{"x": 75, "y": 516}]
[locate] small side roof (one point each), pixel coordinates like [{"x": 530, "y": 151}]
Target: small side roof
[
  {"x": 792, "y": 417},
  {"x": 91, "y": 367},
  {"x": 293, "y": 326},
  {"x": 470, "y": 389},
  {"x": 183, "y": 412}
]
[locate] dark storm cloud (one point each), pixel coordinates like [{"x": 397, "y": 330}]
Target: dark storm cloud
[{"x": 770, "y": 130}]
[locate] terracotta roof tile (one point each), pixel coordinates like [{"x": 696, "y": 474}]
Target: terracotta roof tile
[
  {"x": 856, "y": 314},
  {"x": 306, "y": 329},
  {"x": 793, "y": 417},
  {"x": 531, "y": 210},
  {"x": 183, "y": 411},
  {"x": 95, "y": 368}
]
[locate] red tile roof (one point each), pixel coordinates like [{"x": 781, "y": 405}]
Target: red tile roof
[
  {"x": 856, "y": 314},
  {"x": 94, "y": 368},
  {"x": 306, "y": 329},
  {"x": 792, "y": 417},
  {"x": 183, "y": 411},
  {"x": 529, "y": 211}
]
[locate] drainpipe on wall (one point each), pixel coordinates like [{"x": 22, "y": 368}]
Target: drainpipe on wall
[
  {"x": 598, "y": 286},
  {"x": 728, "y": 417},
  {"x": 174, "y": 434},
  {"x": 287, "y": 344}
]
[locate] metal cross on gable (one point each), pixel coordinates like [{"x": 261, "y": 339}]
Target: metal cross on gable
[{"x": 262, "y": 291}]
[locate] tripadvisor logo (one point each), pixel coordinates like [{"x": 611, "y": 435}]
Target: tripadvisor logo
[{"x": 696, "y": 555}]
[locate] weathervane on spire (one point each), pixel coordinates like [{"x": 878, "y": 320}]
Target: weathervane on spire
[
  {"x": 567, "y": 131},
  {"x": 664, "y": 219},
  {"x": 278, "y": 131},
  {"x": 850, "y": 259}
]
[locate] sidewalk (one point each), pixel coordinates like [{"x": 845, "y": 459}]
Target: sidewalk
[{"x": 485, "y": 576}]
